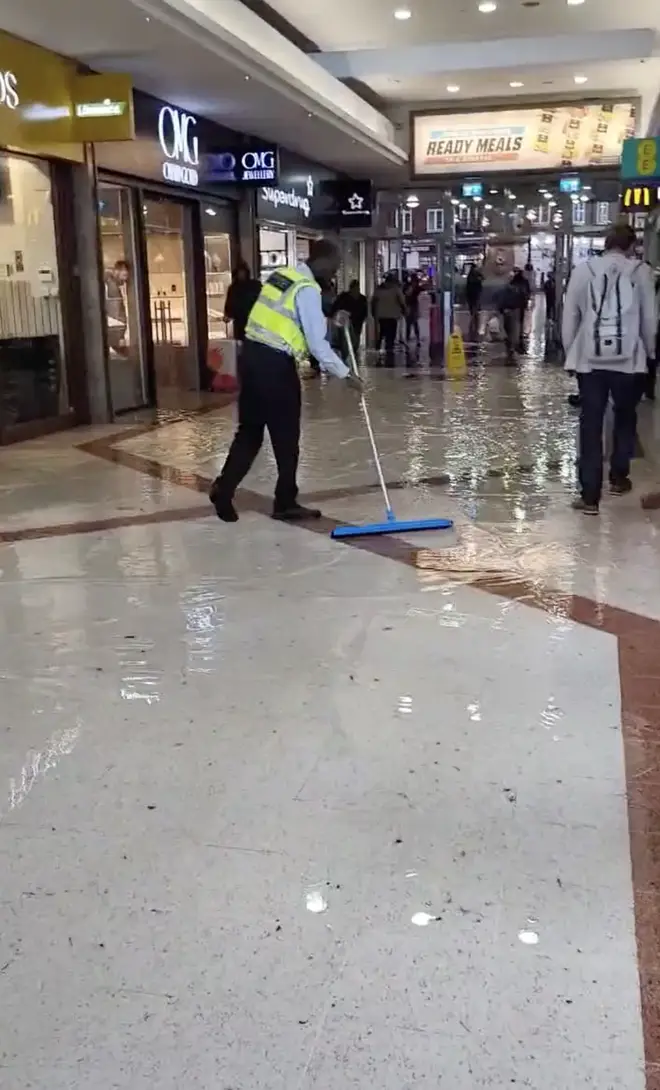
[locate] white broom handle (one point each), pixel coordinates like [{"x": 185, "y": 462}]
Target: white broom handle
[{"x": 365, "y": 411}]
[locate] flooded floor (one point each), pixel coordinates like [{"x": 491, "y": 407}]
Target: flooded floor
[{"x": 280, "y": 812}]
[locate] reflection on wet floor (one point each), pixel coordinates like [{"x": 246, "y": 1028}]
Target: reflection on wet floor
[{"x": 281, "y": 813}]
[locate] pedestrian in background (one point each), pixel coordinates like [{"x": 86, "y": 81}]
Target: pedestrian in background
[
  {"x": 388, "y": 307},
  {"x": 241, "y": 297},
  {"x": 609, "y": 331},
  {"x": 411, "y": 293},
  {"x": 353, "y": 303}
]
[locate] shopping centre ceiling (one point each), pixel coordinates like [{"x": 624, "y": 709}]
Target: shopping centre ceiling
[{"x": 475, "y": 50}]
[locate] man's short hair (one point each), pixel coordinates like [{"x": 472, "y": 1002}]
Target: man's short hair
[{"x": 622, "y": 237}]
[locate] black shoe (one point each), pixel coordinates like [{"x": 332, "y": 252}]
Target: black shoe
[
  {"x": 224, "y": 508},
  {"x": 296, "y": 513},
  {"x": 585, "y": 508},
  {"x": 622, "y": 487}
]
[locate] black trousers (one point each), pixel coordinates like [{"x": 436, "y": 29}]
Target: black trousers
[
  {"x": 387, "y": 328},
  {"x": 595, "y": 391},
  {"x": 412, "y": 326},
  {"x": 269, "y": 398}
]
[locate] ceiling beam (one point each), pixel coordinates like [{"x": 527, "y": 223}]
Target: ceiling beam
[{"x": 446, "y": 57}]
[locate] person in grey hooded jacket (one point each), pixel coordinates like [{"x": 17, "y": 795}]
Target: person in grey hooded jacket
[{"x": 608, "y": 357}]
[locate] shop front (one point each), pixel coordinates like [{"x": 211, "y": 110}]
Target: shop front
[
  {"x": 168, "y": 206},
  {"x": 307, "y": 202},
  {"x": 289, "y": 213},
  {"x": 47, "y": 112}
]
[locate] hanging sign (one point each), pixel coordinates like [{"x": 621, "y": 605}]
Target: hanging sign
[
  {"x": 640, "y": 198},
  {"x": 641, "y": 159}
]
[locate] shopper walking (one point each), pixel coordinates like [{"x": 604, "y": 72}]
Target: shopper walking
[
  {"x": 285, "y": 326},
  {"x": 609, "y": 329},
  {"x": 388, "y": 307},
  {"x": 474, "y": 286},
  {"x": 411, "y": 293},
  {"x": 353, "y": 303},
  {"x": 241, "y": 297}
]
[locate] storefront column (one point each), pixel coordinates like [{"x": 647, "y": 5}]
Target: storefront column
[
  {"x": 93, "y": 306},
  {"x": 247, "y": 231}
]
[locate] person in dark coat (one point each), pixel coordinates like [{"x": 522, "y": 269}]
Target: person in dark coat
[
  {"x": 353, "y": 303},
  {"x": 242, "y": 295}
]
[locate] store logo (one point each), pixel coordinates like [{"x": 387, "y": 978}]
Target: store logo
[
  {"x": 356, "y": 203},
  {"x": 9, "y": 90},
  {"x": 288, "y": 197},
  {"x": 180, "y": 145},
  {"x": 243, "y": 166}
]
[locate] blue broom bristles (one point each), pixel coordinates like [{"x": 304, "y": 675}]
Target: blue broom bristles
[{"x": 392, "y": 526}]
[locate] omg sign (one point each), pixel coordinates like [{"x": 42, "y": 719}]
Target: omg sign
[
  {"x": 242, "y": 166},
  {"x": 180, "y": 146}
]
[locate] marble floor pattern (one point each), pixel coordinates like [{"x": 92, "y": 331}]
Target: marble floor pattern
[{"x": 278, "y": 812}]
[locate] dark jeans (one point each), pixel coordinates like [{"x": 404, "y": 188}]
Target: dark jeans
[
  {"x": 355, "y": 332},
  {"x": 650, "y": 379},
  {"x": 412, "y": 326},
  {"x": 510, "y": 328},
  {"x": 387, "y": 328},
  {"x": 596, "y": 388},
  {"x": 269, "y": 398}
]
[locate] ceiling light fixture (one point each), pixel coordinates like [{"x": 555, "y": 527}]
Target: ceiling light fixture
[
  {"x": 580, "y": 79},
  {"x": 402, "y": 14},
  {"x": 574, "y": 3},
  {"x": 487, "y": 6},
  {"x": 516, "y": 83},
  {"x": 453, "y": 88}
]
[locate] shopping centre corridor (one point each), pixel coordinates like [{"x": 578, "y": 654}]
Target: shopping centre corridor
[{"x": 280, "y": 812}]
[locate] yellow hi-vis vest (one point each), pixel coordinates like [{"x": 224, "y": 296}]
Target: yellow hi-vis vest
[{"x": 272, "y": 320}]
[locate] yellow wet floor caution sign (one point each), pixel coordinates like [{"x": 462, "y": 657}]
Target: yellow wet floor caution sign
[{"x": 455, "y": 361}]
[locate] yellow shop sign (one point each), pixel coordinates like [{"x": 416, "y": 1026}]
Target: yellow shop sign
[{"x": 44, "y": 102}]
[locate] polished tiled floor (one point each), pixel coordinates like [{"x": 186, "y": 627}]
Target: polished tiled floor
[{"x": 282, "y": 813}]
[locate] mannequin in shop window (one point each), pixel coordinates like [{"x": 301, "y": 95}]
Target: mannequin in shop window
[{"x": 116, "y": 312}]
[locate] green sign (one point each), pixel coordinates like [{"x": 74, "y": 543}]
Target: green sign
[{"x": 640, "y": 159}]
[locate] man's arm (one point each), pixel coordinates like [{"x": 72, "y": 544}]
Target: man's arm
[
  {"x": 573, "y": 307},
  {"x": 314, "y": 326}
]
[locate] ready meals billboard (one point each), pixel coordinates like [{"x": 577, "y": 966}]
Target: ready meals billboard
[{"x": 552, "y": 138}]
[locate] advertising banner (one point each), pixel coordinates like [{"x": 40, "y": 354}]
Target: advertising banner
[{"x": 552, "y": 138}]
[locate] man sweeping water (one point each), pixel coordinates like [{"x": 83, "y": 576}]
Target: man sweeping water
[{"x": 286, "y": 325}]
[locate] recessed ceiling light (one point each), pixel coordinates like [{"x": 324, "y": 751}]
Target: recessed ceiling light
[
  {"x": 580, "y": 79},
  {"x": 453, "y": 88},
  {"x": 516, "y": 83},
  {"x": 402, "y": 14},
  {"x": 574, "y": 3},
  {"x": 486, "y": 6}
]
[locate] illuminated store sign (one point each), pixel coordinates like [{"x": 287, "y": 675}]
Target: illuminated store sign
[
  {"x": 9, "y": 90},
  {"x": 290, "y": 197},
  {"x": 640, "y": 198},
  {"x": 242, "y": 166},
  {"x": 180, "y": 145}
]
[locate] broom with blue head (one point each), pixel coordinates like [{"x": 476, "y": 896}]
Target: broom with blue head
[{"x": 392, "y": 525}]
